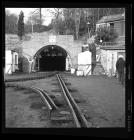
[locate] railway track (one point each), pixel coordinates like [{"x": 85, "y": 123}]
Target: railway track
[
  {"x": 31, "y": 77},
  {"x": 48, "y": 101},
  {"x": 79, "y": 119},
  {"x": 76, "y": 115}
]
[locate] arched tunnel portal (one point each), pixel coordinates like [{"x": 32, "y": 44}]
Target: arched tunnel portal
[{"x": 52, "y": 58}]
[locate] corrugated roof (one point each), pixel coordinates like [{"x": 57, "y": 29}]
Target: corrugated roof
[{"x": 110, "y": 18}]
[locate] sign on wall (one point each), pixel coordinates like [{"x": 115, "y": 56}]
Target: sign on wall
[{"x": 52, "y": 39}]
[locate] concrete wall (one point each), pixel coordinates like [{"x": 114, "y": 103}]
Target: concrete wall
[
  {"x": 38, "y": 41},
  {"x": 104, "y": 59},
  {"x": 109, "y": 59},
  {"x": 8, "y": 62},
  {"x": 75, "y": 50},
  {"x": 27, "y": 48},
  {"x": 11, "y": 61}
]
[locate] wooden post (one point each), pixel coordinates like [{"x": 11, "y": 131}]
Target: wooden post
[{"x": 40, "y": 19}]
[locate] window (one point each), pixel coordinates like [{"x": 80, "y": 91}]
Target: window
[{"x": 111, "y": 25}]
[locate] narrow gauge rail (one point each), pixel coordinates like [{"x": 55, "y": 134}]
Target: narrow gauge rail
[
  {"x": 79, "y": 119},
  {"x": 48, "y": 101}
]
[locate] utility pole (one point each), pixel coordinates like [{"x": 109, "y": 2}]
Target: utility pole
[
  {"x": 98, "y": 13},
  {"x": 40, "y": 18},
  {"x": 31, "y": 23},
  {"x": 88, "y": 24}
]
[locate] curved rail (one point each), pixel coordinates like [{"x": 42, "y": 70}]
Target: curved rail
[
  {"x": 48, "y": 101},
  {"x": 45, "y": 94},
  {"x": 79, "y": 119}
]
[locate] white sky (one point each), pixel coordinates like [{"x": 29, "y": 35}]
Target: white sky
[{"x": 45, "y": 14}]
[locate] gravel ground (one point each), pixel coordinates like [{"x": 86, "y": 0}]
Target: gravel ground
[
  {"x": 100, "y": 98},
  {"x": 104, "y": 99},
  {"x": 27, "y": 75},
  {"x": 26, "y": 109}
]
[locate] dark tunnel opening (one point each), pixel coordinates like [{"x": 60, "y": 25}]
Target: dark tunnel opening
[{"x": 52, "y": 58}]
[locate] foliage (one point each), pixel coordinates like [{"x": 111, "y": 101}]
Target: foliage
[
  {"x": 35, "y": 20},
  {"x": 10, "y": 23},
  {"x": 21, "y": 25},
  {"x": 74, "y": 20},
  {"x": 106, "y": 34},
  {"x": 34, "y": 23},
  {"x": 83, "y": 27},
  {"x": 37, "y": 28}
]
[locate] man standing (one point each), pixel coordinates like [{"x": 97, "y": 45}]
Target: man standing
[{"x": 120, "y": 67}]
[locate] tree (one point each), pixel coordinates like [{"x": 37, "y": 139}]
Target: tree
[
  {"x": 36, "y": 20},
  {"x": 57, "y": 19},
  {"x": 11, "y": 23},
  {"x": 82, "y": 27},
  {"x": 106, "y": 34},
  {"x": 32, "y": 25},
  {"x": 75, "y": 20},
  {"x": 69, "y": 21},
  {"x": 92, "y": 15},
  {"x": 21, "y": 25}
]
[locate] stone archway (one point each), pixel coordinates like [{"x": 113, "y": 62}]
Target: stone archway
[{"x": 50, "y": 58}]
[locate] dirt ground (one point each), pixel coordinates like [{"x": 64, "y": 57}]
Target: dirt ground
[
  {"x": 100, "y": 98},
  {"x": 104, "y": 98},
  {"x": 24, "y": 109}
]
